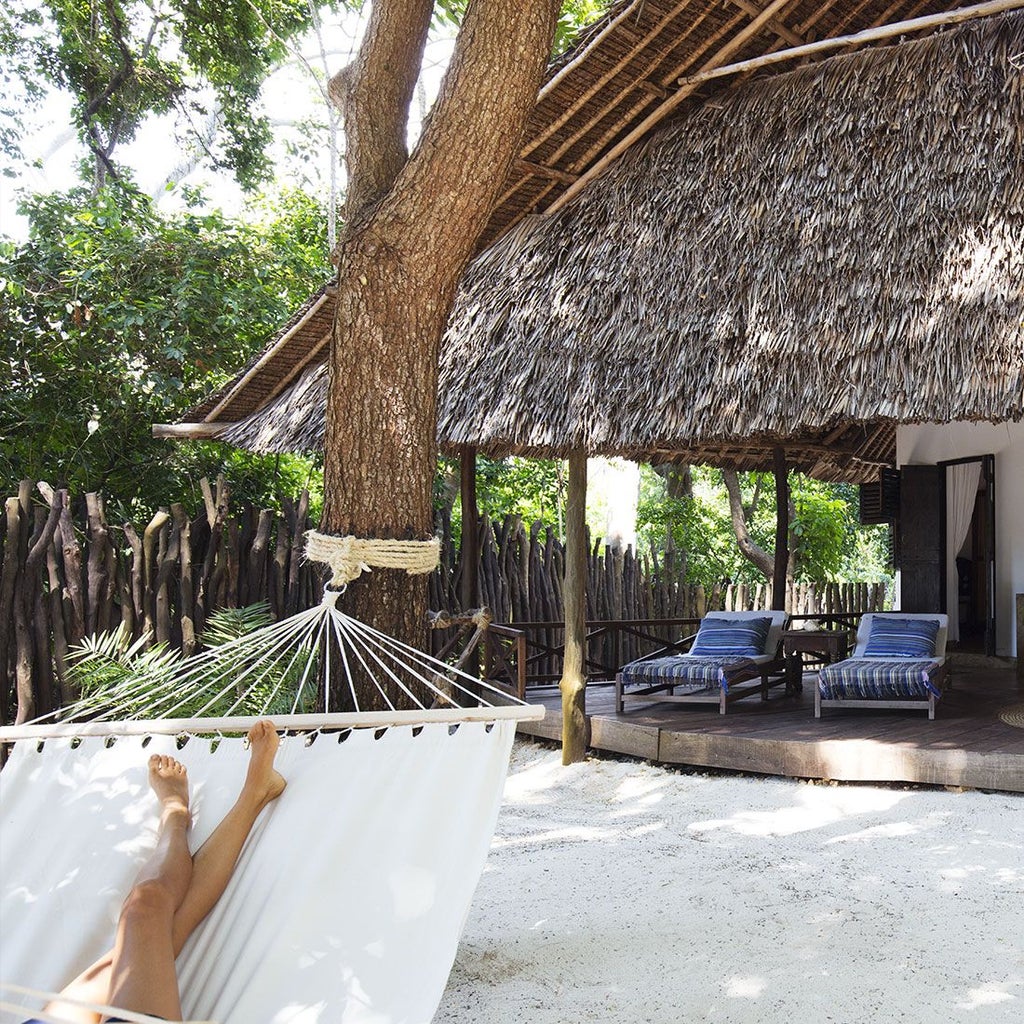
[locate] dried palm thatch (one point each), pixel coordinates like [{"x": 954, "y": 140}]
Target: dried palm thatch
[{"x": 806, "y": 260}]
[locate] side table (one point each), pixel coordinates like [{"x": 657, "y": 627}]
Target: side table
[{"x": 829, "y": 645}]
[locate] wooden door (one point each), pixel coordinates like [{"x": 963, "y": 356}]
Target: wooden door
[{"x": 921, "y": 529}]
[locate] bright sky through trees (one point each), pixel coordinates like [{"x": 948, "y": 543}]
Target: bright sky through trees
[{"x": 162, "y": 154}]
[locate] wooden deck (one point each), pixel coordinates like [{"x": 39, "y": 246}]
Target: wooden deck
[{"x": 966, "y": 745}]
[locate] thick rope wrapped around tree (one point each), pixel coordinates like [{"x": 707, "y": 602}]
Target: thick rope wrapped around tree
[{"x": 348, "y": 557}]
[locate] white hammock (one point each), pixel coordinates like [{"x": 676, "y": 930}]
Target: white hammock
[{"x": 347, "y": 902}]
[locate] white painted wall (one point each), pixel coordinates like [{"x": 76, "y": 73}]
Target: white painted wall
[{"x": 928, "y": 443}]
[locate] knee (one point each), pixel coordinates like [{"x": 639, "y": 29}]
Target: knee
[{"x": 148, "y": 901}]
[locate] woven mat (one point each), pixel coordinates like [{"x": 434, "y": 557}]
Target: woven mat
[{"x": 1013, "y": 715}]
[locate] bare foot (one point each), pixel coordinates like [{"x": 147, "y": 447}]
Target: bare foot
[
  {"x": 262, "y": 781},
  {"x": 169, "y": 780}
]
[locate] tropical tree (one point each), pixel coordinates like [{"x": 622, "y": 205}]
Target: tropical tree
[
  {"x": 411, "y": 226},
  {"x": 125, "y": 60},
  {"x": 116, "y": 317}
]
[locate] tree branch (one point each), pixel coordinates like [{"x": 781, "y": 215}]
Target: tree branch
[
  {"x": 749, "y": 548},
  {"x": 374, "y": 94}
]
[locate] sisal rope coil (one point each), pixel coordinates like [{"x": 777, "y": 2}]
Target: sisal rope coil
[
  {"x": 1013, "y": 715},
  {"x": 348, "y": 557}
]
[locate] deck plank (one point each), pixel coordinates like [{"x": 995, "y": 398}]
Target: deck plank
[{"x": 967, "y": 745}]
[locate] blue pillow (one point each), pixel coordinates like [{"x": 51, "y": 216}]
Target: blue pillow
[
  {"x": 902, "y": 638},
  {"x": 741, "y": 638}
]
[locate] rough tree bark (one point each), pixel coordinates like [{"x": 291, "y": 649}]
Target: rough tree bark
[
  {"x": 411, "y": 227},
  {"x": 778, "y": 566}
]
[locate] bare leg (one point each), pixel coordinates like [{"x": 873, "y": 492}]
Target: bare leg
[
  {"x": 139, "y": 973},
  {"x": 213, "y": 865},
  {"x": 214, "y": 861}
]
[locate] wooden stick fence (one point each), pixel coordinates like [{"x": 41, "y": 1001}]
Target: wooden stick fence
[
  {"x": 63, "y": 578},
  {"x": 66, "y": 572},
  {"x": 521, "y": 570}
]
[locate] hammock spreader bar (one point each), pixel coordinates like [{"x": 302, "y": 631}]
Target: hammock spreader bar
[{"x": 287, "y": 723}]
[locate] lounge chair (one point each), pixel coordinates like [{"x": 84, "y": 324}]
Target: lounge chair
[
  {"x": 899, "y": 661},
  {"x": 730, "y": 649}
]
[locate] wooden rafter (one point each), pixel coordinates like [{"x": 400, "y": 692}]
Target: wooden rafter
[{"x": 666, "y": 108}]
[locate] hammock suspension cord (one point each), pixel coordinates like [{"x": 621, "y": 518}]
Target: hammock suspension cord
[{"x": 295, "y": 669}]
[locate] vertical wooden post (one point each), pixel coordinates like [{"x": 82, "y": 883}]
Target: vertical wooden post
[
  {"x": 574, "y": 665},
  {"x": 1020, "y": 635},
  {"x": 470, "y": 543},
  {"x": 469, "y": 548},
  {"x": 781, "y": 530}
]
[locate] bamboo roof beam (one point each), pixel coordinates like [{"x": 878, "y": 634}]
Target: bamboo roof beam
[
  {"x": 666, "y": 108},
  {"x": 580, "y": 165},
  {"x": 869, "y": 35},
  {"x": 714, "y": 69},
  {"x": 193, "y": 431},
  {"x": 599, "y": 144},
  {"x": 652, "y": 90},
  {"x": 544, "y": 171},
  {"x": 327, "y": 294},
  {"x": 553, "y": 126},
  {"x": 591, "y": 47},
  {"x": 785, "y": 33}
]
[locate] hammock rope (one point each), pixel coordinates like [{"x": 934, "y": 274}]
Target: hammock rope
[
  {"x": 292, "y": 671},
  {"x": 446, "y": 733}
]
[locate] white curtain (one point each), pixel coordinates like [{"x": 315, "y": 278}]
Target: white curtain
[
  {"x": 347, "y": 902},
  {"x": 961, "y": 494}
]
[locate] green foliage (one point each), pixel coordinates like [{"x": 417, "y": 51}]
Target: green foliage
[
  {"x": 125, "y": 60},
  {"x": 824, "y": 533},
  {"x": 122, "y": 677},
  {"x": 573, "y": 17},
  {"x": 115, "y": 317},
  {"x": 697, "y": 529},
  {"x": 531, "y": 488},
  {"x": 115, "y": 674},
  {"x": 20, "y": 89},
  {"x": 228, "y": 624}
]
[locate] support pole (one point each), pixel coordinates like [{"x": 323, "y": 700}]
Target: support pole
[
  {"x": 781, "y": 529},
  {"x": 469, "y": 547},
  {"x": 469, "y": 553},
  {"x": 574, "y": 665}
]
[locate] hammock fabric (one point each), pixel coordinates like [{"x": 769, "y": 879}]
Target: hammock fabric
[
  {"x": 349, "y": 898},
  {"x": 346, "y": 904}
]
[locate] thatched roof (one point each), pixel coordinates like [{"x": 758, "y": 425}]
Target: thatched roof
[
  {"x": 630, "y": 63},
  {"x": 627, "y": 71},
  {"x": 810, "y": 259}
]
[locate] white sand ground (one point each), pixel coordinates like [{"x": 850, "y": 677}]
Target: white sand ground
[{"x": 624, "y": 892}]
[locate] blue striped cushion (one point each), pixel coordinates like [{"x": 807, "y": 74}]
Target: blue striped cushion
[
  {"x": 860, "y": 679},
  {"x": 718, "y": 638},
  {"x": 902, "y": 638},
  {"x": 688, "y": 673}
]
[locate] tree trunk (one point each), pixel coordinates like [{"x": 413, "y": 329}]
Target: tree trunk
[
  {"x": 574, "y": 665},
  {"x": 412, "y": 227},
  {"x": 781, "y": 565},
  {"x": 749, "y": 548}
]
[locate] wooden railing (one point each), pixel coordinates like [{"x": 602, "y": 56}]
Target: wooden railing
[
  {"x": 66, "y": 572},
  {"x": 529, "y": 655}
]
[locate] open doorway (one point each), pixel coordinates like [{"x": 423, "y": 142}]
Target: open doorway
[{"x": 969, "y": 552}]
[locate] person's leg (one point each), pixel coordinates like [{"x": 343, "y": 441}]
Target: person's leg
[
  {"x": 214, "y": 862},
  {"x": 213, "y": 865},
  {"x": 139, "y": 972},
  {"x": 142, "y": 974}
]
